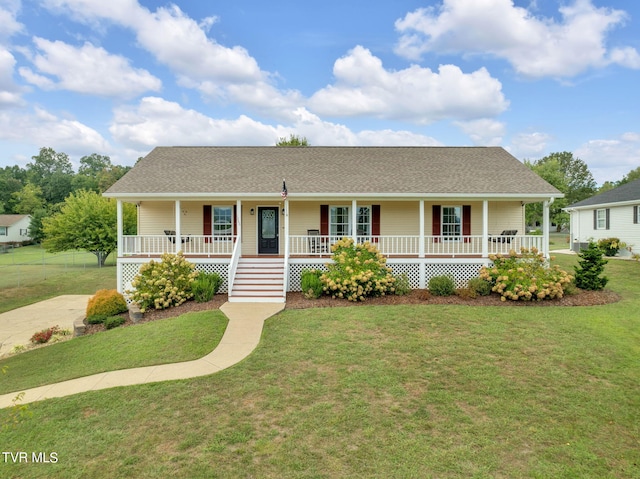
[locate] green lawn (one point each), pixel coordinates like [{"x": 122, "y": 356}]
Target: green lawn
[
  {"x": 30, "y": 274},
  {"x": 389, "y": 392},
  {"x": 187, "y": 337}
]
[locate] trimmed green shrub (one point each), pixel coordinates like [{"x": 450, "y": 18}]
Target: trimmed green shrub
[
  {"x": 442, "y": 285},
  {"x": 163, "y": 284},
  {"x": 106, "y": 302},
  {"x": 480, "y": 286},
  {"x": 402, "y": 285},
  {"x": 358, "y": 271},
  {"x": 96, "y": 319},
  {"x": 205, "y": 286},
  {"x": 310, "y": 283},
  {"x": 590, "y": 268},
  {"x": 525, "y": 276},
  {"x": 113, "y": 322}
]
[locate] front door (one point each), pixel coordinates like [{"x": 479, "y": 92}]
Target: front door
[{"x": 268, "y": 230}]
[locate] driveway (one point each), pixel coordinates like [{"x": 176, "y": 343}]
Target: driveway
[{"x": 17, "y": 326}]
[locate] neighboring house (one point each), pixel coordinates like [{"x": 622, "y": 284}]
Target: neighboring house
[
  {"x": 14, "y": 229},
  {"x": 430, "y": 210},
  {"x": 612, "y": 214}
]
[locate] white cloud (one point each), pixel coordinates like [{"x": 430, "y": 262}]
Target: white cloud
[
  {"x": 43, "y": 128},
  {"x": 535, "y": 46},
  {"x": 611, "y": 159},
  {"x": 9, "y": 91},
  {"x": 364, "y": 88},
  {"x": 8, "y": 19},
  {"x": 156, "y": 121},
  {"x": 485, "y": 132},
  {"x": 87, "y": 69},
  {"x": 172, "y": 37},
  {"x": 527, "y": 145}
]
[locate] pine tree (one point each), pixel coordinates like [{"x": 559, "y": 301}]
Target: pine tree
[{"x": 590, "y": 268}]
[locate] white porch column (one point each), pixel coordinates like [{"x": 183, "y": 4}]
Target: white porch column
[
  {"x": 119, "y": 227},
  {"x": 545, "y": 226},
  {"x": 354, "y": 221},
  {"x": 421, "y": 231},
  {"x": 422, "y": 275},
  {"x": 178, "y": 227},
  {"x": 286, "y": 229},
  {"x": 485, "y": 228},
  {"x": 238, "y": 225}
]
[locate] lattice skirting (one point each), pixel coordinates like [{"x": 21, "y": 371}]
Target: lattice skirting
[
  {"x": 419, "y": 271},
  {"x": 128, "y": 269}
]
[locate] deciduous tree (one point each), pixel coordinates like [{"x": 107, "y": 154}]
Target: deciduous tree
[{"x": 87, "y": 221}]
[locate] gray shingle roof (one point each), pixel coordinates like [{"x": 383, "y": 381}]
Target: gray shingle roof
[
  {"x": 331, "y": 171},
  {"x": 627, "y": 192},
  {"x": 8, "y": 220}
]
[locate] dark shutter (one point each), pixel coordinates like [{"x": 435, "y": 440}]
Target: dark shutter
[
  {"x": 375, "y": 222},
  {"x": 607, "y": 215},
  {"x": 595, "y": 219},
  {"x": 635, "y": 215},
  {"x": 466, "y": 222},
  {"x": 435, "y": 222},
  {"x": 206, "y": 222},
  {"x": 324, "y": 220},
  {"x": 235, "y": 222}
]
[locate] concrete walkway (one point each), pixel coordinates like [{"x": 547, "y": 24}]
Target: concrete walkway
[
  {"x": 240, "y": 338},
  {"x": 18, "y": 325}
]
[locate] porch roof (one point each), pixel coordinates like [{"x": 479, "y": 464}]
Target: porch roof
[{"x": 331, "y": 171}]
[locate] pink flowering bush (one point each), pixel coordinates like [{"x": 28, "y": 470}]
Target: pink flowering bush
[
  {"x": 525, "y": 276},
  {"x": 358, "y": 271}
]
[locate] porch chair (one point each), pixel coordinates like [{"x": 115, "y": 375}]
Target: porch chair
[
  {"x": 505, "y": 237},
  {"x": 315, "y": 242},
  {"x": 172, "y": 236}
]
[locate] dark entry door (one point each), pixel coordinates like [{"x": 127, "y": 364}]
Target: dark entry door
[{"x": 268, "y": 230}]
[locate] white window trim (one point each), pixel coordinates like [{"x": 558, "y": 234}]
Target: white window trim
[
  {"x": 348, "y": 223},
  {"x": 603, "y": 219},
  {"x": 5, "y": 229},
  {"x": 213, "y": 220},
  {"x": 448, "y": 237}
]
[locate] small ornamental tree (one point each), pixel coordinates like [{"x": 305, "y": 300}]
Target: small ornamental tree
[
  {"x": 358, "y": 271},
  {"x": 590, "y": 268}
]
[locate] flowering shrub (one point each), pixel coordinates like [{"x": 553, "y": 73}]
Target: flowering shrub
[
  {"x": 106, "y": 302},
  {"x": 610, "y": 246},
  {"x": 525, "y": 276},
  {"x": 45, "y": 335},
  {"x": 358, "y": 271},
  {"x": 163, "y": 284}
]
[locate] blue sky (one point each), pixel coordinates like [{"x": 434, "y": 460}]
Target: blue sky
[{"x": 121, "y": 77}]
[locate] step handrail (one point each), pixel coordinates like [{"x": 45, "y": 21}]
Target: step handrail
[{"x": 233, "y": 266}]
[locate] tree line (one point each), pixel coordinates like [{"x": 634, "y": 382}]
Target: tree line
[
  {"x": 42, "y": 186},
  {"x": 572, "y": 177}
]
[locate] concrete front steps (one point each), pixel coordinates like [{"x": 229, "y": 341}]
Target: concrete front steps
[{"x": 259, "y": 280}]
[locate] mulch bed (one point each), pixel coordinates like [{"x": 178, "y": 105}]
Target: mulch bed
[{"x": 298, "y": 301}]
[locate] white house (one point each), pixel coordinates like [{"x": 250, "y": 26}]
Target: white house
[
  {"x": 258, "y": 216},
  {"x": 14, "y": 228},
  {"x": 612, "y": 214}
]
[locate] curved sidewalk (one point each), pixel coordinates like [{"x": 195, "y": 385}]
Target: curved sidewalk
[{"x": 240, "y": 338}]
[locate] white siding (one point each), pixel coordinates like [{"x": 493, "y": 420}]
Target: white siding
[{"x": 621, "y": 226}]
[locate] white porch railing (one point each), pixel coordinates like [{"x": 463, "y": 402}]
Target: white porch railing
[
  {"x": 320, "y": 245},
  {"x": 189, "y": 244}
]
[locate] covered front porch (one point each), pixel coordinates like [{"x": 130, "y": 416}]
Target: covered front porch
[{"x": 444, "y": 235}]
